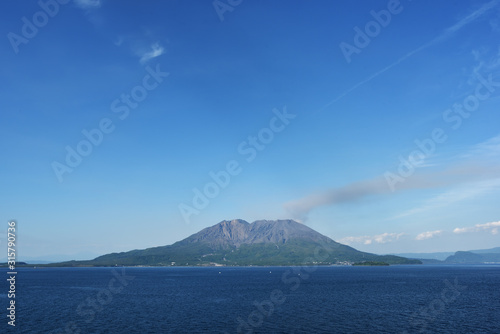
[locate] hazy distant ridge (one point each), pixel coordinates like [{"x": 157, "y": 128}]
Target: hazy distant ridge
[{"x": 480, "y": 256}]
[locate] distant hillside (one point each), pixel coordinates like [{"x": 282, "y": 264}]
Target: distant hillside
[
  {"x": 470, "y": 257},
  {"x": 433, "y": 256},
  {"x": 487, "y": 251},
  {"x": 473, "y": 258},
  {"x": 238, "y": 243}
]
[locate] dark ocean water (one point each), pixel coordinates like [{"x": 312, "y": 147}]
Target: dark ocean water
[{"x": 395, "y": 299}]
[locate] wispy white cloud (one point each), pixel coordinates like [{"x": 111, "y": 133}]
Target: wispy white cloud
[
  {"x": 447, "y": 33},
  {"x": 428, "y": 235},
  {"x": 470, "y": 18},
  {"x": 156, "y": 51},
  {"x": 478, "y": 165},
  {"x": 88, "y": 4},
  {"x": 493, "y": 227},
  {"x": 367, "y": 240},
  {"x": 469, "y": 175},
  {"x": 460, "y": 193},
  {"x": 469, "y": 182},
  {"x": 487, "y": 149}
]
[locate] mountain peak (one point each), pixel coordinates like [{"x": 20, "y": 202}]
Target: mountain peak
[
  {"x": 233, "y": 222},
  {"x": 229, "y": 233}
]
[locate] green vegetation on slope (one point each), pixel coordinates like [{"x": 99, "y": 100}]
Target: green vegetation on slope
[{"x": 370, "y": 263}]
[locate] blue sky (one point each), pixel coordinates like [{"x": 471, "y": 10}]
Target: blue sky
[{"x": 374, "y": 122}]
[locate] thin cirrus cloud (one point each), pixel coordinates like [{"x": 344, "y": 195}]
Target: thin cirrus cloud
[
  {"x": 479, "y": 176},
  {"x": 492, "y": 227},
  {"x": 144, "y": 53},
  {"x": 368, "y": 240},
  {"x": 457, "y": 194},
  {"x": 301, "y": 208},
  {"x": 428, "y": 235},
  {"x": 88, "y": 4},
  {"x": 447, "y": 33},
  {"x": 487, "y": 149},
  {"x": 156, "y": 51},
  {"x": 474, "y": 169}
]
